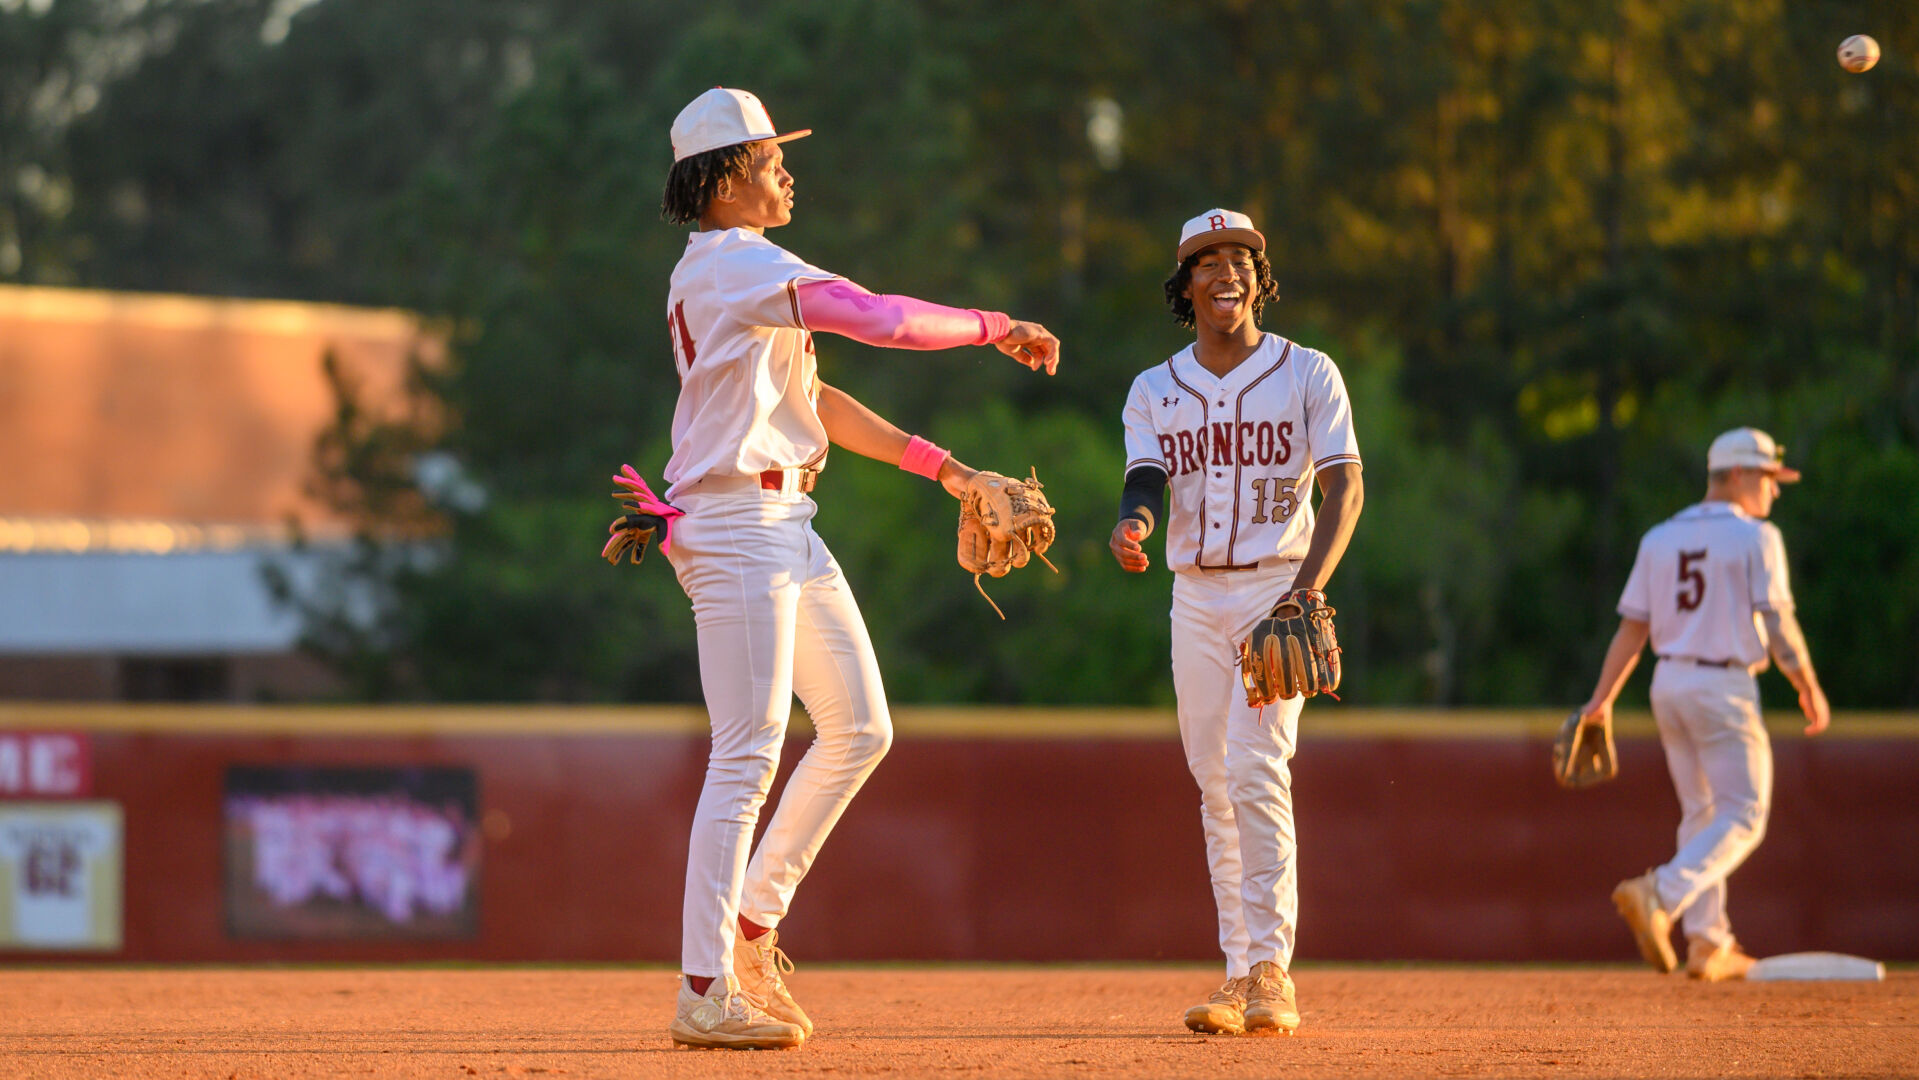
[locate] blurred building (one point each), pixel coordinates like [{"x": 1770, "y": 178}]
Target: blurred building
[{"x": 157, "y": 454}]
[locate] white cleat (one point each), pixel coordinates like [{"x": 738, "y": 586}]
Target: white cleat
[
  {"x": 1638, "y": 903},
  {"x": 1716, "y": 963},
  {"x": 762, "y": 966},
  {"x": 1225, "y": 1012},
  {"x": 724, "y": 1018},
  {"x": 1270, "y": 1003}
]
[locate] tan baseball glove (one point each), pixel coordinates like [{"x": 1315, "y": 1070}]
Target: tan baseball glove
[
  {"x": 1003, "y": 522},
  {"x": 1293, "y": 651},
  {"x": 1583, "y": 754}
]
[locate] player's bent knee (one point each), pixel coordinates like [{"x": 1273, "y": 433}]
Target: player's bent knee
[
  {"x": 1749, "y": 818},
  {"x": 1258, "y": 770},
  {"x": 1209, "y": 775},
  {"x": 750, "y": 771},
  {"x": 1216, "y": 803},
  {"x": 1249, "y": 786},
  {"x": 871, "y": 744}
]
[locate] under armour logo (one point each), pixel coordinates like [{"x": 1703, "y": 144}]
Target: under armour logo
[
  {"x": 1168, "y": 402},
  {"x": 1217, "y": 221}
]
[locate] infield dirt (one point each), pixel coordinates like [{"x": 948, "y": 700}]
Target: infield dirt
[{"x": 1011, "y": 1022}]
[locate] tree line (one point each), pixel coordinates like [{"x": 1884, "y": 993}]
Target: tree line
[{"x": 1555, "y": 247}]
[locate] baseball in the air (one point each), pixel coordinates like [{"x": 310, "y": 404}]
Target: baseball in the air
[{"x": 1858, "y": 53}]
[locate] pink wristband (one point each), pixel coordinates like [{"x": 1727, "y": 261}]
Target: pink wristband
[
  {"x": 993, "y": 325},
  {"x": 923, "y": 457}
]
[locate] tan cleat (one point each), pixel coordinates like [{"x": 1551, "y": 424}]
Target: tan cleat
[
  {"x": 1638, "y": 904},
  {"x": 1716, "y": 963},
  {"x": 1270, "y": 1004},
  {"x": 1225, "y": 1012},
  {"x": 727, "y": 1019},
  {"x": 761, "y": 966}
]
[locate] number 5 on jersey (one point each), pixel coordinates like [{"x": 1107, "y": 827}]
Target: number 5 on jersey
[{"x": 1692, "y": 580}]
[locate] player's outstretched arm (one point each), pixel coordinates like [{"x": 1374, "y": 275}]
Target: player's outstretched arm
[
  {"x": 901, "y": 322},
  {"x": 1795, "y": 663},
  {"x": 1343, "y": 494},
  {"x": 854, "y": 427},
  {"x": 1621, "y": 657}
]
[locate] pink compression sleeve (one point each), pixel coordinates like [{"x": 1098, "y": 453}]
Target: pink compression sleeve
[{"x": 897, "y": 322}]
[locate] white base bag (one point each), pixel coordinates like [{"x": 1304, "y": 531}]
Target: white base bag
[{"x": 1816, "y": 966}]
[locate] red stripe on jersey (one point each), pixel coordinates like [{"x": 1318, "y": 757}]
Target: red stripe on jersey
[{"x": 678, "y": 322}]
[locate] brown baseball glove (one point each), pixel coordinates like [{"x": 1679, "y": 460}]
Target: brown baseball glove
[
  {"x": 1293, "y": 651},
  {"x": 1003, "y": 522},
  {"x": 1583, "y": 754}
]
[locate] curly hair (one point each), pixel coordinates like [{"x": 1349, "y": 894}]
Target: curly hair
[
  {"x": 1264, "y": 288},
  {"x": 697, "y": 180}
]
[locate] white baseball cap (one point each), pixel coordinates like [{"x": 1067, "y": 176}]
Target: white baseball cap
[
  {"x": 722, "y": 117},
  {"x": 1750, "y": 448},
  {"x": 1218, "y": 227}
]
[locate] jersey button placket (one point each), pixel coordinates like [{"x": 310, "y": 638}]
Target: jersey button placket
[{"x": 1218, "y": 475}]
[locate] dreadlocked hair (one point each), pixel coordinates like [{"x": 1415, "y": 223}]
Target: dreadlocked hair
[
  {"x": 1264, "y": 288},
  {"x": 695, "y": 181}
]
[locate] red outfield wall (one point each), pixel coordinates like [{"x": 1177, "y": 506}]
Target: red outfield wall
[{"x": 1032, "y": 835}]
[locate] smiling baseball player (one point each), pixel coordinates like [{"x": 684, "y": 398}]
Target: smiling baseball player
[
  {"x": 1709, "y": 589},
  {"x": 774, "y": 615},
  {"x": 1242, "y": 425}
]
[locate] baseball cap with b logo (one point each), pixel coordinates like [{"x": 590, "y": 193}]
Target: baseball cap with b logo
[
  {"x": 1218, "y": 227},
  {"x": 722, "y": 117},
  {"x": 1749, "y": 448}
]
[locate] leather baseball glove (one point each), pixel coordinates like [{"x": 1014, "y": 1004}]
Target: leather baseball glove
[
  {"x": 1293, "y": 651},
  {"x": 1003, "y": 522},
  {"x": 1583, "y": 754},
  {"x": 647, "y": 516}
]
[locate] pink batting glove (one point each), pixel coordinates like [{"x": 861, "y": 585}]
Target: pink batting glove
[{"x": 640, "y": 499}]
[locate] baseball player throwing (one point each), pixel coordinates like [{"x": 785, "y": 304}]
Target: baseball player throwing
[
  {"x": 1709, "y": 589},
  {"x": 1241, "y": 425},
  {"x": 774, "y": 615}
]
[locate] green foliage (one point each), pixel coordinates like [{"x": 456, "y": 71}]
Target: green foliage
[{"x": 1554, "y": 246}]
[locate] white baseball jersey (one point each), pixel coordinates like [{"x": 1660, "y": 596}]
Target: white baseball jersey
[
  {"x": 1701, "y": 580},
  {"x": 749, "y": 383},
  {"x": 1240, "y": 451}
]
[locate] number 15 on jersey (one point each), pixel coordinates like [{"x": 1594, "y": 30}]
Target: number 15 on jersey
[{"x": 1283, "y": 491}]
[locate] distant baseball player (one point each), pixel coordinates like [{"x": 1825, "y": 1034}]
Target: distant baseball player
[
  {"x": 775, "y": 617},
  {"x": 1709, "y": 589},
  {"x": 1242, "y": 425}
]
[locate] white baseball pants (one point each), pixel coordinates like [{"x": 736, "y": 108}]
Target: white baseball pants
[
  {"x": 1238, "y": 755},
  {"x": 1721, "y": 764},
  {"x": 775, "y": 618}
]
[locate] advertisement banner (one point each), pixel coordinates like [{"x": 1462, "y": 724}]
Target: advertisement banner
[
  {"x": 60, "y": 875},
  {"x": 329, "y": 853},
  {"x": 45, "y": 765}
]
